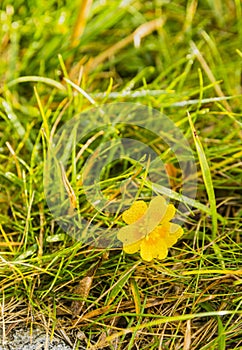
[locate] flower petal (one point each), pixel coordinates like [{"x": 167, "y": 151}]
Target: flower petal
[
  {"x": 161, "y": 249},
  {"x": 176, "y": 230},
  {"x": 170, "y": 213},
  {"x": 151, "y": 249},
  {"x": 161, "y": 231},
  {"x": 132, "y": 248},
  {"x": 162, "y": 253},
  {"x": 130, "y": 234},
  {"x": 155, "y": 213},
  {"x": 135, "y": 212},
  {"x": 146, "y": 251}
]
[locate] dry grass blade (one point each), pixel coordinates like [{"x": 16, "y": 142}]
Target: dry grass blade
[
  {"x": 81, "y": 20},
  {"x": 83, "y": 289},
  {"x": 187, "y": 337},
  {"x": 209, "y": 74}
]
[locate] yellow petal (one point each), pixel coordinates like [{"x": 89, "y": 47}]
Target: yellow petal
[
  {"x": 151, "y": 249},
  {"x": 155, "y": 213},
  {"x": 131, "y": 233},
  {"x": 162, "y": 253},
  {"x": 176, "y": 230},
  {"x": 146, "y": 251},
  {"x": 135, "y": 212},
  {"x": 152, "y": 216},
  {"x": 160, "y": 248},
  {"x": 171, "y": 240},
  {"x": 132, "y": 248},
  {"x": 161, "y": 231},
  {"x": 170, "y": 213}
]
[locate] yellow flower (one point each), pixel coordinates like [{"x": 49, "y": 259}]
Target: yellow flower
[{"x": 149, "y": 229}]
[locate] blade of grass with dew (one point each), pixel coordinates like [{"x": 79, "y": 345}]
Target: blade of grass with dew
[
  {"x": 207, "y": 178},
  {"x": 37, "y": 79},
  {"x": 81, "y": 91},
  {"x": 181, "y": 198}
]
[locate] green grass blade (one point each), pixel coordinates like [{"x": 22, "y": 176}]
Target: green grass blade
[{"x": 207, "y": 178}]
